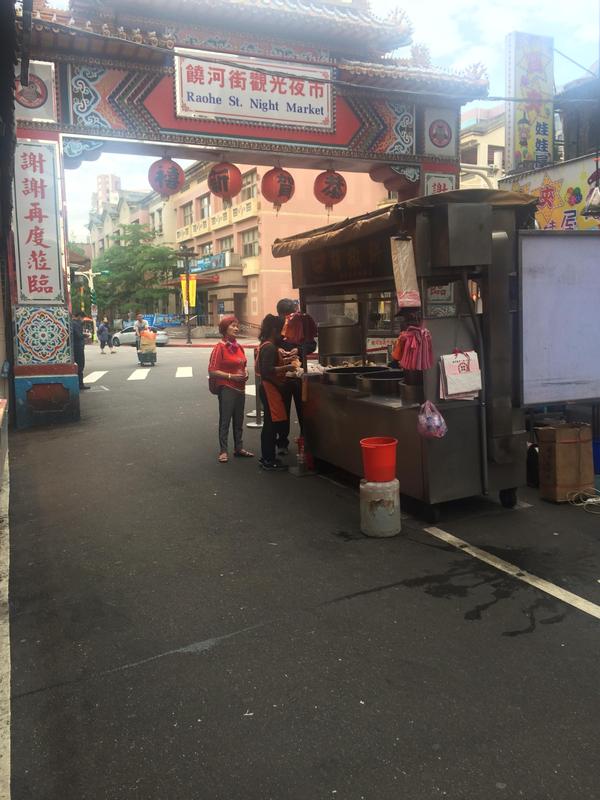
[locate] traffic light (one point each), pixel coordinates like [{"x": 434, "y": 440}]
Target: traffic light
[{"x": 93, "y": 297}]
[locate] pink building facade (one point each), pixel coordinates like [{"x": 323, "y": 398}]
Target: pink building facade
[{"x": 233, "y": 239}]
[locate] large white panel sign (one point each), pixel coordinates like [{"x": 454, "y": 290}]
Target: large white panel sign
[
  {"x": 37, "y": 225},
  {"x": 251, "y": 90},
  {"x": 560, "y": 317}
]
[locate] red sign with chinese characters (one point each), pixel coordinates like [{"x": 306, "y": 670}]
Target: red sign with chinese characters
[{"x": 36, "y": 224}]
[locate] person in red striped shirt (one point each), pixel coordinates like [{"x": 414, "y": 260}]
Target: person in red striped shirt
[{"x": 228, "y": 372}]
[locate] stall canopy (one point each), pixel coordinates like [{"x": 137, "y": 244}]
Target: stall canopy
[{"x": 390, "y": 217}]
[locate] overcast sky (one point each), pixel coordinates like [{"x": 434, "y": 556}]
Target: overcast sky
[{"x": 457, "y": 33}]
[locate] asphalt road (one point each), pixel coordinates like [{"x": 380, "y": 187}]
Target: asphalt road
[{"x": 186, "y": 630}]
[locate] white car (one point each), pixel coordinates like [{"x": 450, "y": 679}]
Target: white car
[{"x": 127, "y": 336}]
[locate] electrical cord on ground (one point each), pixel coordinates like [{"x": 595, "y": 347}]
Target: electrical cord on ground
[{"x": 587, "y": 499}]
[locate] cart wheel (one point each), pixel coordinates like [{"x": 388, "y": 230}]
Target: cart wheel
[
  {"x": 508, "y": 497},
  {"x": 433, "y": 513}
]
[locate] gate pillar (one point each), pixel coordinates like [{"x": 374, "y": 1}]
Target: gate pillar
[{"x": 45, "y": 377}]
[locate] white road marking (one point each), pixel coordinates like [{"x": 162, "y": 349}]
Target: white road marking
[
  {"x": 94, "y": 376},
  {"x": 4, "y": 638},
  {"x": 139, "y": 375},
  {"x": 251, "y": 390},
  {"x": 510, "y": 569},
  {"x": 184, "y": 372}
]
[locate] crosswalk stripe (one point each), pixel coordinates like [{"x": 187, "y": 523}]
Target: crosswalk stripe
[
  {"x": 251, "y": 390},
  {"x": 184, "y": 372},
  {"x": 139, "y": 375},
  {"x": 94, "y": 376}
]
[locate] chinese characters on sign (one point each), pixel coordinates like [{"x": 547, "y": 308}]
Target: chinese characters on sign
[
  {"x": 530, "y": 79},
  {"x": 434, "y": 183},
  {"x": 39, "y": 269},
  {"x": 267, "y": 92},
  {"x": 562, "y": 193}
]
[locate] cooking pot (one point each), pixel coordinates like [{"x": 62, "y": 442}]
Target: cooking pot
[
  {"x": 346, "y": 376},
  {"x": 339, "y": 340},
  {"x": 384, "y": 382}
]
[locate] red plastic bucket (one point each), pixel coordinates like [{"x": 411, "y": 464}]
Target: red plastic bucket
[{"x": 379, "y": 458}]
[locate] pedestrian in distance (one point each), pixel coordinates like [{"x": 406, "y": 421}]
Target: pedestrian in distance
[
  {"x": 139, "y": 325},
  {"x": 227, "y": 375},
  {"x": 78, "y": 337},
  {"x": 272, "y": 366},
  {"x": 105, "y": 337}
]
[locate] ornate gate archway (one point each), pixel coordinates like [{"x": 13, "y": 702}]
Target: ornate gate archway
[{"x": 286, "y": 83}]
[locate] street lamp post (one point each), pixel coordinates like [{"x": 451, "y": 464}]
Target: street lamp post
[
  {"x": 89, "y": 276},
  {"x": 186, "y": 253}
]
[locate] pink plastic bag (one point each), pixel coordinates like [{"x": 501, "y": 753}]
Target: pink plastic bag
[{"x": 430, "y": 423}]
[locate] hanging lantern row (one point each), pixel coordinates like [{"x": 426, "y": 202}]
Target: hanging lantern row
[
  {"x": 225, "y": 181},
  {"x": 330, "y": 188},
  {"x": 277, "y": 186},
  {"x": 166, "y": 177}
]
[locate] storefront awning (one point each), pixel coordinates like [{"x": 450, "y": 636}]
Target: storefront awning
[{"x": 390, "y": 217}]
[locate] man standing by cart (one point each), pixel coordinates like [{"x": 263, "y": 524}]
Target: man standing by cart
[{"x": 303, "y": 345}]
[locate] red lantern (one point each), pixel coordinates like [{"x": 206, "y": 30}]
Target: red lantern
[
  {"x": 277, "y": 186},
  {"x": 166, "y": 177},
  {"x": 225, "y": 180},
  {"x": 330, "y": 188}
]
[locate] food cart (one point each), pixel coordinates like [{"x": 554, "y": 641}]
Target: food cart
[{"x": 465, "y": 249}]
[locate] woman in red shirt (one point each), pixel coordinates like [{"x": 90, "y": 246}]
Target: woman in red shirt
[{"x": 228, "y": 370}]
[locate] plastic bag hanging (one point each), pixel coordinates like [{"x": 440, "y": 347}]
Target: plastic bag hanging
[
  {"x": 430, "y": 423},
  {"x": 405, "y": 272}
]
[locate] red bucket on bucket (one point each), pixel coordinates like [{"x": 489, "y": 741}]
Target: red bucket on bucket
[{"x": 379, "y": 458}]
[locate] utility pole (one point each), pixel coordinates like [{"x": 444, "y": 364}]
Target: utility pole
[
  {"x": 89, "y": 276},
  {"x": 186, "y": 253}
]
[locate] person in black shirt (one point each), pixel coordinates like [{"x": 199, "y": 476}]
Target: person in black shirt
[
  {"x": 79, "y": 346},
  {"x": 271, "y": 367}
]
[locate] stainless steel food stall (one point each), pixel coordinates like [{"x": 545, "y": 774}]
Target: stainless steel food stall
[{"x": 465, "y": 248}]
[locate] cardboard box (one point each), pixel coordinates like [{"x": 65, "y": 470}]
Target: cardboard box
[{"x": 566, "y": 461}]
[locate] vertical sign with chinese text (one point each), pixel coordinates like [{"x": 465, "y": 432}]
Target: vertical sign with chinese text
[
  {"x": 37, "y": 225},
  {"x": 252, "y": 90},
  {"x": 529, "y": 115}
]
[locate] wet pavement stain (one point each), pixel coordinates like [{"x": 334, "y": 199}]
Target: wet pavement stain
[{"x": 463, "y": 579}]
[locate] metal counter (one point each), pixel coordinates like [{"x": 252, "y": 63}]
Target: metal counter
[{"x": 429, "y": 470}]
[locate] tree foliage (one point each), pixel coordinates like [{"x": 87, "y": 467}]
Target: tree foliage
[{"x": 138, "y": 270}]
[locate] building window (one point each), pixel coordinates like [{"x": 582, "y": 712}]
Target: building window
[
  {"x": 225, "y": 245},
  {"x": 152, "y": 222},
  {"x": 188, "y": 214},
  {"x": 205, "y": 206},
  {"x": 250, "y": 243},
  {"x": 206, "y": 249},
  {"x": 117, "y": 237},
  {"x": 227, "y": 203},
  {"x": 495, "y": 155},
  {"x": 159, "y": 228},
  {"x": 249, "y": 185},
  {"x": 469, "y": 155},
  {"x": 107, "y": 242},
  {"x": 101, "y": 245}
]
